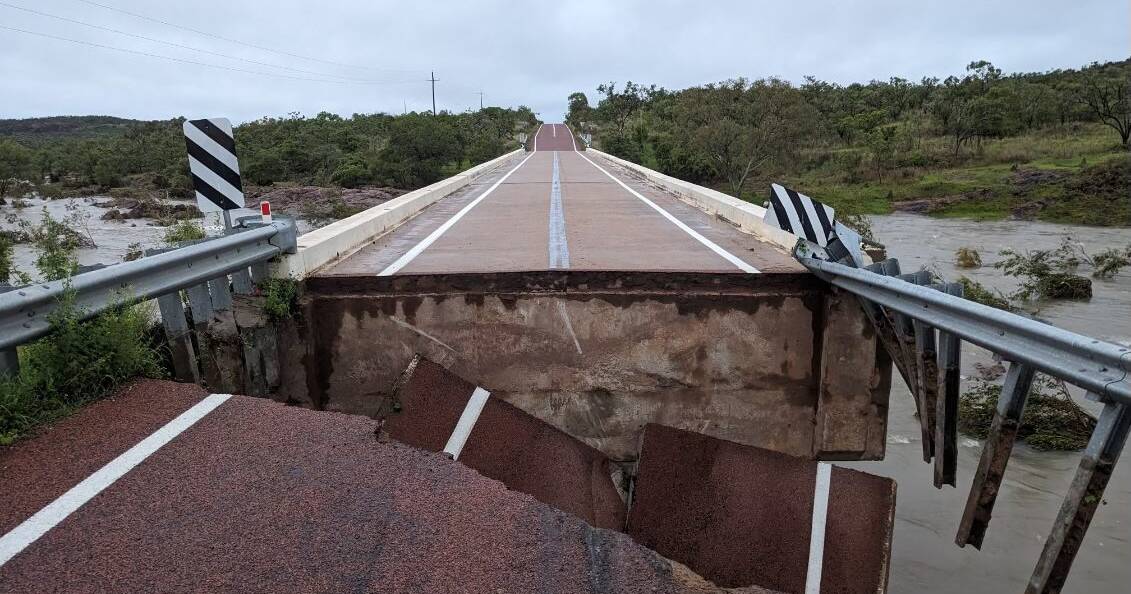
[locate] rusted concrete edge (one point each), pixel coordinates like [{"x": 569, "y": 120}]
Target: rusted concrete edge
[
  {"x": 342, "y": 238},
  {"x": 562, "y": 281},
  {"x": 746, "y": 217}
]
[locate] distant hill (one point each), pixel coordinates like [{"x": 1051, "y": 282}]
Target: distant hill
[{"x": 32, "y": 130}]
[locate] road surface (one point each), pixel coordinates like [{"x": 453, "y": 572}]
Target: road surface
[
  {"x": 560, "y": 208},
  {"x": 165, "y": 488}
]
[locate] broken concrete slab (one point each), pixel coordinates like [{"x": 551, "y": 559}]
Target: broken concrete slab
[
  {"x": 504, "y": 443},
  {"x": 740, "y": 515}
]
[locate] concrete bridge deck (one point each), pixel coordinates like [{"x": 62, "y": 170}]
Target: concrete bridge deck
[
  {"x": 557, "y": 208},
  {"x": 596, "y": 299}
]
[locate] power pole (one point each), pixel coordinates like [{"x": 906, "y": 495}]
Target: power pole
[
  {"x": 433, "y": 79},
  {"x": 480, "y": 93}
]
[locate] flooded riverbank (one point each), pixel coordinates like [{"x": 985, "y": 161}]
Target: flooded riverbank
[
  {"x": 925, "y": 558},
  {"x": 111, "y": 239}
]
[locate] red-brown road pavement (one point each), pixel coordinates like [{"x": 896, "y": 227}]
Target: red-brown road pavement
[
  {"x": 164, "y": 488},
  {"x": 560, "y": 208}
]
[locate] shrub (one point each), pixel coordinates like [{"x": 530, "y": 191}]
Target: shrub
[
  {"x": 967, "y": 257},
  {"x": 1052, "y": 420},
  {"x": 280, "y": 298},
  {"x": 184, "y": 231},
  {"x": 979, "y": 293},
  {"x": 76, "y": 363}
]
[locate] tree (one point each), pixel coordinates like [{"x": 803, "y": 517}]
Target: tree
[
  {"x": 1106, "y": 97},
  {"x": 579, "y": 111},
  {"x": 742, "y": 127},
  {"x": 617, "y": 107},
  {"x": 15, "y": 164}
]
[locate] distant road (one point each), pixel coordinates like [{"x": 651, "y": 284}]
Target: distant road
[{"x": 560, "y": 208}]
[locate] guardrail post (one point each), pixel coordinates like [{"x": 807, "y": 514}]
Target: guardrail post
[
  {"x": 223, "y": 338},
  {"x": 905, "y": 338},
  {"x": 928, "y": 369},
  {"x": 1084, "y": 496},
  {"x": 946, "y": 413},
  {"x": 260, "y": 342},
  {"x": 995, "y": 455},
  {"x": 180, "y": 340}
]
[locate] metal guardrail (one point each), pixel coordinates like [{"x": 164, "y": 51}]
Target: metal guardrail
[
  {"x": 1097, "y": 366},
  {"x": 25, "y": 312},
  {"x": 907, "y": 309}
]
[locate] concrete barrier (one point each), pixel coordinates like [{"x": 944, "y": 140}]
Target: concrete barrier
[
  {"x": 340, "y": 239},
  {"x": 745, "y": 216}
]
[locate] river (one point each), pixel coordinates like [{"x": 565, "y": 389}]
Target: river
[{"x": 925, "y": 558}]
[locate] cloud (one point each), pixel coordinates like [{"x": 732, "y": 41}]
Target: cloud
[{"x": 516, "y": 52}]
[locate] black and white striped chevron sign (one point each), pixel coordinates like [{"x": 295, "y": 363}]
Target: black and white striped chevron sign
[
  {"x": 213, "y": 165},
  {"x": 800, "y": 215}
]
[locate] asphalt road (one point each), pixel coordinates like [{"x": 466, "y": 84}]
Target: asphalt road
[
  {"x": 165, "y": 488},
  {"x": 559, "y": 208}
]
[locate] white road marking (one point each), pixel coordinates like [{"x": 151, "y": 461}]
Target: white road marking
[
  {"x": 554, "y": 128},
  {"x": 466, "y": 422},
  {"x": 714, "y": 247},
  {"x": 536, "y": 137},
  {"x": 817, "y": 534},
  {"x": 572, "y": 138},
  {"x": 55, "y": 512},
  {"x": 569, "y": 326},
  {"x": 411, "y": 254},
  {"x": 559, "y": 248}
]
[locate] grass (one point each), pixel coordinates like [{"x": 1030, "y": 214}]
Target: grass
[{"x": 985, "y": 176}]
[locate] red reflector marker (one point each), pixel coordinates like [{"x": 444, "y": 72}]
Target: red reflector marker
[{"x": 265, "y": 210}]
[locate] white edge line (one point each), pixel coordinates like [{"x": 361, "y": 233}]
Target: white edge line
[
  {"x": 20, "y": 537},
  {"x": 817, "y": 534},
  {"x": 410, "y": 255},
  {"x": 536, "y": 138},
  {"x": 714, "y": 247},
  {"x": 466, "y": 422}
]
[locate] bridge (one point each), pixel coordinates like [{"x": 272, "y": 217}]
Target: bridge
[{"x": 553, "y": 371}]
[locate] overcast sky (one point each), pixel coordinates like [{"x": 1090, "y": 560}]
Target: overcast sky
[{"x": 516, "y": 52}]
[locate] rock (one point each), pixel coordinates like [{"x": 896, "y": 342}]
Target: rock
[
  {"x": 306, "y": 201},
  {"x": 989, "y": 373}
]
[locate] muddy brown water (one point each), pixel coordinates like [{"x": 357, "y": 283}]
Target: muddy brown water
[
  {"x": 924, "y": 556},
  {"x": 112, "y": 239}
]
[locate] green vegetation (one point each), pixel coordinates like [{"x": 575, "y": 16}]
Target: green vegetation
[
  {"x": 186, "y": 230},
  {"x": 5, "y": 258},
  {"x": 1049, "y": 274},
  {"x": 983, "y": 145},
  {"x": 979, "y": 293},
  {"x": 406, "y": 151},
  {"x": 1052, "y": 420},
  {"x": 79, "y": 361},
  {"x": 280, "y": 298}
]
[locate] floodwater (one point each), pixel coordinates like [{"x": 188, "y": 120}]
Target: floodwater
[
  {"x": 925, "y": 558},
  {"x": 112, "y": 239}
]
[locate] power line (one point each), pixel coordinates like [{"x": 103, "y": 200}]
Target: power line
[
  {"x": 187, "y": 47},
  {"x": 193, "y": 62},
  {"x": 236, "y": 41}
]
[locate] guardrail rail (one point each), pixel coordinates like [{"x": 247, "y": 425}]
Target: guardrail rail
[{"x": 921, "y": 323}]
